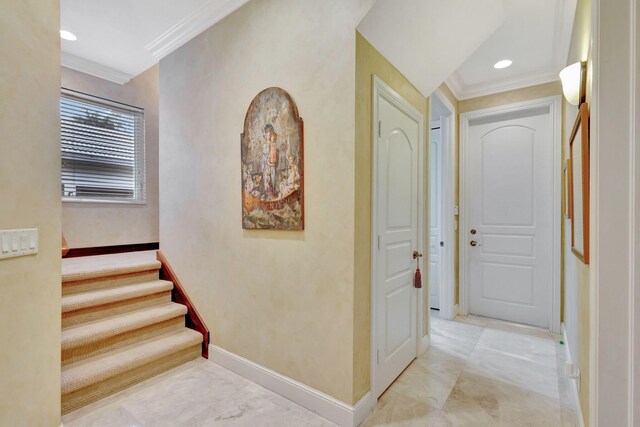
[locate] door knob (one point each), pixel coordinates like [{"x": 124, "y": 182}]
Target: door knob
[
  {"x": 416, "y": 254},
  {"x": 473, "y": 243}
]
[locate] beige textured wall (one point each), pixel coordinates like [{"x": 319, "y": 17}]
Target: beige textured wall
[
  {"x": 282, "y": 299},
  {"x": 104, "y": 224},
  {"x": 511, "y": 96},
  {"x": 370, "y": 62},
  {"x": 30, "y": 195},
  {"x": 580, "y": 50}
]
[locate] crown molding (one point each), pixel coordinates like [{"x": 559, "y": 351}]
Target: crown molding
[
  {"x": 564, "y": 17},
  {"x": 517, "y": 82},
  {"x": 192, "y": 25},
  {"x": 93, "y": 68},
  {"x": 563, "y": 20},
  {"x": 455, "y": 85}
]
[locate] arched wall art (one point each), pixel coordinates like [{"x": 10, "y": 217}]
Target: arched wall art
[{"x": 272, "y": 163}]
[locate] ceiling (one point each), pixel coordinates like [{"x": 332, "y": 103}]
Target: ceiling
[
  {"x": 119, "y": 39},
  {"x": 425, "y": 39},
  {"x": 535, "y": 35},
  {"x": 428, "y": 39}
]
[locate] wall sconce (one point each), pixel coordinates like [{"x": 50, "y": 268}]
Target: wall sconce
[{"x": 574, "y": 82}]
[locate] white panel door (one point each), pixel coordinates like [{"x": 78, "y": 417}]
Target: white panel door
[
  {"x": 397, "y": 227},
  {"x": 435, "y": 237},
  {"x": 510, "y": 196}
]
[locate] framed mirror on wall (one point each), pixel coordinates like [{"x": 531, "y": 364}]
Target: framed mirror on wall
[{"x": 579, "y": 185}]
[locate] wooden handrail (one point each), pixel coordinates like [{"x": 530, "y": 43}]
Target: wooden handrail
[
  {"x": 115, "y": 249},
  {"x": 193, "y": 319},
  {"x": 65, "y": 246}
]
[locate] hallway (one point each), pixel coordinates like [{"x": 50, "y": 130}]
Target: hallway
[{"x": 481, "y": 372}]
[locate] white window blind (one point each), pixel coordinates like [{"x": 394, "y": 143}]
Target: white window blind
[{"x": 102, "y": 149}]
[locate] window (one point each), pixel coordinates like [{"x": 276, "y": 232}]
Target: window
[{"x": 102, "y": 150}]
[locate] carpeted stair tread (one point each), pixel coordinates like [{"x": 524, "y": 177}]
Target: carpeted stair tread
[
  {"x": 92, "y": 267},
  {"x": 96, "y": 369},
  {"x": 90, "y": 332},
  {"x": 99, "y": 297}
]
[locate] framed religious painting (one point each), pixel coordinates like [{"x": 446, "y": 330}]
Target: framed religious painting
[
  {"x": 579, "y": 185},
  {"x": 272, "y": 153}
]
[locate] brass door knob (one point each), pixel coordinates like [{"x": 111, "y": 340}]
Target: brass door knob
[
  {"x": 416, "y": 254},
  {"x": 473, "y": 243}
]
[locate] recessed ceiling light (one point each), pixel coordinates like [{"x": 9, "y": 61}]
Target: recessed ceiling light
[
  {"x": 68, "y": 35},
  {"x": 502, "y": 64}
]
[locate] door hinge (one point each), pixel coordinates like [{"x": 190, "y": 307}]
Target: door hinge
[
  {"x": 377, "y": 356},
  {"x": 379, "y": 127},
  {"x": 378, "y": 242}
]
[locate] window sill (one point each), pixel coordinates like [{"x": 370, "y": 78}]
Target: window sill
[{"x": 103, "y": 201}]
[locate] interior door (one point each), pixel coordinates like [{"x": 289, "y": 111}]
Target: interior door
[
  {"x": 397, "y": 201},
  {"x": 435, "y": 237},
  {"x": 510, "y": 195}
]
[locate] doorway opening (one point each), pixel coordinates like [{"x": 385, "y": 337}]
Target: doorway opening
[{"x": 442, "y": 144}]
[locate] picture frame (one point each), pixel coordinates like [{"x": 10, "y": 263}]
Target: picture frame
[
  {"x": 272, "y": 163},
  {"x": 578, "y": 169}
]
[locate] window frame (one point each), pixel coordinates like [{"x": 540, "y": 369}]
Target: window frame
[{"x": 139, "y": 159}]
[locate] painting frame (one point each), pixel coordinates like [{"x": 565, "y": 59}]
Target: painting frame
[
  {"x": 272, "y": 163},
  {"x": 566, "y": 201},
  {"x": 579, "y": 194}
]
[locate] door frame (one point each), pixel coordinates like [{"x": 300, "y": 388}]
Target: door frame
[
  {"x": 379, "y": 87},
  {"x": 553, "y": 105},
  {"x": 448, "y": 176}
]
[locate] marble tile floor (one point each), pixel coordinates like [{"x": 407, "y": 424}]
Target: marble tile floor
[
  {"x": 478, "y": 372},
  {"x": 199, "y": 393},
  {"x": 481, "y": 372}
]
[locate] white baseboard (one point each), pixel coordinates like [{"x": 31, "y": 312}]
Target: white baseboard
[
  {"x": 574, "y": 385},
  {"x": 314, "y": 400},
  {"x": 425, "y": 343}
]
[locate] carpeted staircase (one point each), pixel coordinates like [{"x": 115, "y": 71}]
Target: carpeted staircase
[{"x": 119, "y": 326}]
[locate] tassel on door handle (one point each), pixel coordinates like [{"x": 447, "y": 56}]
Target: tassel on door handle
[{"x": 417, "y": 279}]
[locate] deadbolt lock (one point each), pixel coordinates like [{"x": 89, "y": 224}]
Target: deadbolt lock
[{"x": 473, "y": 231}]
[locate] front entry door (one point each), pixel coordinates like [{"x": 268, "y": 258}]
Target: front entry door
[
  {"x": 397, "y": 199},
  {"x": 510, "y": 196}
]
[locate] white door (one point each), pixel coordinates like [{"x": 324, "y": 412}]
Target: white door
[
  {"x": 397, "y": 199},
  {"x": 510, "y": 228},
  {"x": 435, "y": 237}
]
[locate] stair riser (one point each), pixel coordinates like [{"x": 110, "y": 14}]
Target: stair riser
[
  {"x": 90, "y": 394},
  {"x": 103, "y": 311},
  {"x": 95, "y": 348},
  {"x": 108, "y": 282}
]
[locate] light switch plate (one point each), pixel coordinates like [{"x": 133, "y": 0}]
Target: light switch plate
[{"x": 15, "y": 243}]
